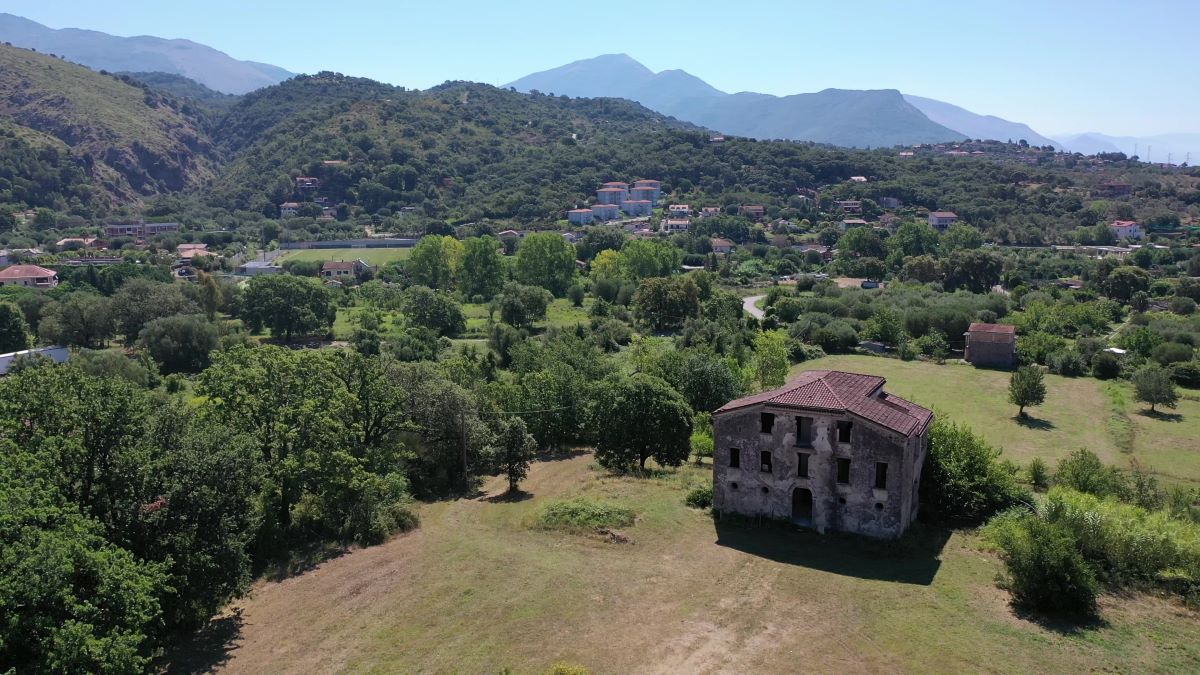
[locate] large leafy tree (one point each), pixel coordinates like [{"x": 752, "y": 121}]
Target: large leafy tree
[
  {"x": 1152, "y": 384},
  {"x": 974, "y": 270},
  {"x": 14, "y": 331},
  {"x": 642, "y": 258},
  {"x": 771, "y": 358},
  {"x": 1123, "y": 282},
  {"x": 546, "y": 259},
  {"x": 180, "y": 343},
  {"x": 521, "y": 305},
  {"x": 1026, "y": 387},
  {"x": 140, "y": 301},
  {"x": 666, "y": 302},
  {"x": 80, "y": 319},
  {"x": 434, "y": 261},
  {"x": 288, "y": 305},
  {"x": 482, "y": 268},
  {"x": 514, "y": 450},
  {"x": 655, "y": 422},
  {"x": 433, "y": 310}
]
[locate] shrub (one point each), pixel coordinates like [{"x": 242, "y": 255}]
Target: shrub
[
  {"x": 963, "y": 479},
  {"x": 1069, "y": 363},
  {"x": 1039, "y": 473},
  {"x": 700, "y": 497},
  {"x": 1082, "y": 470},
  {"x": 583, "y": 515},
  {"x": 702, "y": 446},
  {"x": 1186, "y": 374},
  {"x": 1182, "y": 305},
  {"x": 1171, "y": 352},
  {"x": 1044, "y": 569},
  {"x": 799, "y": 352},
  {"x": 1152, "y": 384},
  {"x": 564, "y": 668},
  {"x": 1106, "y": 366}
]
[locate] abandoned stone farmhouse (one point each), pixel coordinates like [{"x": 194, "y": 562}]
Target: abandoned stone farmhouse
[{"x": 830, "y": 450}]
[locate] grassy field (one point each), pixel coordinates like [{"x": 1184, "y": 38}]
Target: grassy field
[
  {"x": 561, "y": 313},
  {"x": 477, "y": 589},
  {"x": 374, "y": 256},
  {"x": 1078, "y": 413}
]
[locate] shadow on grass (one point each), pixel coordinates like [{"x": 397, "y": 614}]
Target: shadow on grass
[
  {"x": 1063, "y": 624},
  {"x": 304, "y": 560},
  {"x": 1034, "y": 423},
  {"x": 1161, "y": 416},
  {"x": 205, "y": 651},
  {"x": 914, "y": 559},
  {"x": 509, "y": 497}
]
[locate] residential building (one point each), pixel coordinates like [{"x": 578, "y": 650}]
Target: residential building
[
  {"x": 940, "y": 220},
  {"x": 55, "y": 354},
  {"x": 1115, "y": 190},
  {"x": 858, "y": 179},
  {"x": 256, "y": 268},
  {"x": 992, "y": 345},
  {"x": 655, "y": 185},
  {"x": 1125, "y": 229},
  {"x": 606, "y": 212},
  {"x": 307, "y": 183},
  {"x": 889, "y": 221},
  {"x": 338, "y": 269},
  {"x": 616, "y": 184},
  {"x": 721, "y": 246},
  {"x": 853, "y": 222},
  {"x": 30, "y": 276},
  {"x": 679, "y": 211},
  {"x": 646, "y": 193},
  {"x": 671, "y": 225},
  {"x": 611, "y": 195},
  {"x": 752, "y": 211},
  {"x": 889, "y": 202},
  {"x": 289, "y": 209},
  {"x": 850, "y": 206},
  {"x": 189, "y": 251},
  {"x": 638, "y": 207},
  {"x": 830, "y": 450},
  {"x": 139, "y": 230},
  {"x": 579, "y": 216},
  {"x": 710, "y": 211}
]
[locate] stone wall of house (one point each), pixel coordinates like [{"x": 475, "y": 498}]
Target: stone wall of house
[
  {"x": 991, "y": 354},
  {"x": 856, "y": 506}
]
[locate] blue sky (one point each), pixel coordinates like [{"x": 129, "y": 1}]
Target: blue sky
[{"x": 1058, "y": 65}]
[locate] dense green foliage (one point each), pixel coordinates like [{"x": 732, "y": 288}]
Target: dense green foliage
[
  {"x": 584, "y": 515},
  {"x": 963, "y": 479}
]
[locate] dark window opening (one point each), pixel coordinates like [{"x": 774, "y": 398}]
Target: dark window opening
[
  {"x": 841, "y": 500},
  {"x": 733, "y": 486},
  {"x": 802, "y": 465},
  {"x": 843, "y": 470},
  {"x": 880, "y": 475},
  {"x": 878, "y": 506},
  {"x": 765, "y": 490},
  {"x": 804, "y": 431},
  {"x": 735, "y": 458},
  {"x": 767, "y": 421},
  {"x": 844, "y": 432},
  {"x": 765, "y": 461}
]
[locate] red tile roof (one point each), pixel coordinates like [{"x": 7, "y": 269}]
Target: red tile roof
[
  {"x": 944, "y": 214},
  {"x": 26, "y": 272},
  {"x": 992, "y": 328},
  {"x": 841, "y": 392},
  {"x": 331, "y": 265}
]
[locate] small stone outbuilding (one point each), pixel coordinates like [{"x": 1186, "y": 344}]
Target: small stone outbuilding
[
  {"x": 831, "y": 450},
  {"x": 991, "y": 345}
]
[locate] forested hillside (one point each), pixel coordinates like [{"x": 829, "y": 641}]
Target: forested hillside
[{"x": 129, "y": 142}]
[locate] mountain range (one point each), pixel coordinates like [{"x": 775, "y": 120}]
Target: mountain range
[
  {"x": 850, "y": 118},
  {"x": 101, "y": 51}
]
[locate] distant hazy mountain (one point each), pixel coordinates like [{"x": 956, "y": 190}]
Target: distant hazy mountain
[
  {"x": 836, "y": 116},
  {"x": 101, "y": 51},
  {"x": 1148, "y": 148},
  {"x": 975, "y": 125}
]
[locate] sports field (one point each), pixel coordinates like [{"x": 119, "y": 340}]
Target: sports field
[{"x": 374, "y": 256}]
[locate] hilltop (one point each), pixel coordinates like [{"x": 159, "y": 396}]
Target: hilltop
[
  {"x": 101, "y": 51},
  {"x": 836, "y": 116},
  {"x": 130, "y": 142}
]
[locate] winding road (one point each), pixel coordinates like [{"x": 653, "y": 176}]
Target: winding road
[{"x": 752, "y": 309}]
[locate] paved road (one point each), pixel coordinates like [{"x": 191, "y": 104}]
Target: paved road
[{"x": 751, "y": 308}]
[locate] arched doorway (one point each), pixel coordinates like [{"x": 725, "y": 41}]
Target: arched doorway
[{"x": 802, "y": 506}]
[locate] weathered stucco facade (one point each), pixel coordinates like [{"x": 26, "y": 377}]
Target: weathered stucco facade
[{"x": 831, "y": 451}]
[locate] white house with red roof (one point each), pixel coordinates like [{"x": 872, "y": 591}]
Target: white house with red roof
[
  {"x": 32, "y": 276},
  {"x": 1126, "y": 229},
  {"x": 830, "y": 450}
]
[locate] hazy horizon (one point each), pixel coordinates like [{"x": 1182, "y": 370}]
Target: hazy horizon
[{"x": 1062, "y": 68}]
